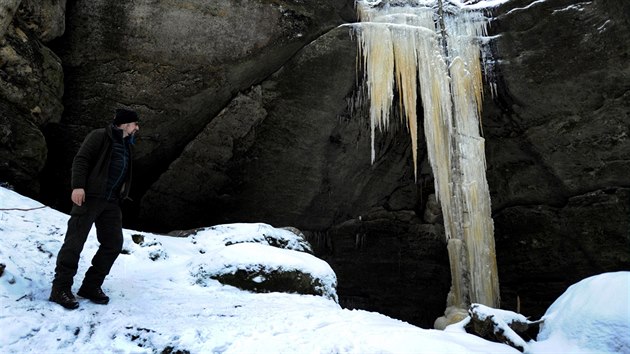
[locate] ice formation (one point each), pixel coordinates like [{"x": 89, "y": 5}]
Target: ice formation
[{"x": 427, "y": 50}]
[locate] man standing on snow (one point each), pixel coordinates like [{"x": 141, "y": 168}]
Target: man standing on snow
[{"x": 101, "y": 174}]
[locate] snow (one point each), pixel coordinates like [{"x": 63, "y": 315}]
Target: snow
[
  {"x": 503, "y": 315},
  {"x": 574, "y": 7},
  {"x": 483, "y": 4},
  {"x": 469, "y": 4},
  {"x": 502, "y": 319},
  {"x": 158, "y": 305},
  {"x": 533, "y": 3},
  {"x": 601, "y": 302},
  {"x": 602, "y": 28}
]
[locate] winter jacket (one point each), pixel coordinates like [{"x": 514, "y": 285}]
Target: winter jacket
[{"x": 91, "y": 165}]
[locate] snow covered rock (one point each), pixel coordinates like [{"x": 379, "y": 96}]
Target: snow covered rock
[
  {"x": 499, "y": 325},
  {"x": 250, "y": 256},
  {"x": 594, "y": 314},
  {"x": 261, "y": 258},
  {"x": 286, "y": 238}
]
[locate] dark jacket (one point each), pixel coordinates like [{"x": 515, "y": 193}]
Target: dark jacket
[{"x": 90, "y": 168}]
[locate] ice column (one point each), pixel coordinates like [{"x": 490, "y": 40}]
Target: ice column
[{"x": 422, "y": 50}]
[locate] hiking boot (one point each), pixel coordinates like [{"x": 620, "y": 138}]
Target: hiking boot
[
  {"x": 96, "y": 295},
  {"x": 64, "y": 298}
]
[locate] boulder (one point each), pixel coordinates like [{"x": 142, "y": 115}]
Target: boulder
[
  {"x": 499, "y": 326},
  {"x": 261, "y": 258},
  {"x": 262, "y": 279}
]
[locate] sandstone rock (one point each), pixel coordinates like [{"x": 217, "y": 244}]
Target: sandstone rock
[
  {"x": 45, "y": 18},
  {"x": 137, "y": 239},
  {"x": 499, "y": 326},
  {"x": 273, "y": 280},
  {"x": 22, "y": 150},
  {"x": 204, "y": 163},
  {"x": 175, "y": 62},
  {"x": 389, "y": 263},
  {"x": 31, "y": 88},
  {"x": 308, "y": 162},
  {"x": 32, "y": 77},
  {"x": 7, "y": 11},
  {"x": 569, "y": 105},
  {"x": 557, "y": 246},
  {"x": 558, "y": 145},
  {"x": 268, "y": 269},
  {"x": 290, "y": 143}
]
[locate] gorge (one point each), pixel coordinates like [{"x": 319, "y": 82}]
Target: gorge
[{"x": 251, "y": 113}]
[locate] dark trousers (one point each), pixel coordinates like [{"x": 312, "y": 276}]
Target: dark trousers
[{"x": 108, "y": 219}]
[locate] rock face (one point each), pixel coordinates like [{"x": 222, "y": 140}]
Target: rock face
[
  {"x": 45, "y": 18},
  {"x": 558, "y": 146},
  {"x": 31, "y": 87},
  {"x": 389, "y": 262},
  {"x": 554, "y": 246},
  {"x": 178, "y": 64},
  {"x": 252, "y": 112},
  {"x": 289, "y": 144},
  {"x": 565, "y": 75}
]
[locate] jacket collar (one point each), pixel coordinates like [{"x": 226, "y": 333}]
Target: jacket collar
[{"x": 114, "y": 133}]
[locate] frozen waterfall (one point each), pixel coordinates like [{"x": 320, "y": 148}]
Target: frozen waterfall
[{"x": 429, "y": 51}]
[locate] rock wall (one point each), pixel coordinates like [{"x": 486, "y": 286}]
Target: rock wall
[
  {"x": 31, "y": 88},
  {"x": 253, "y": 111},
  {"x": 178, "y": 64},
  {"x": 558, "y": 146}
]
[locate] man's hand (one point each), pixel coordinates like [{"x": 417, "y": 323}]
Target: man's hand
[{"x": 78, "y": 196}]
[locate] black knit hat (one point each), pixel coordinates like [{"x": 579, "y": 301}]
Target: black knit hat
[{"x": 125, "y": 116}]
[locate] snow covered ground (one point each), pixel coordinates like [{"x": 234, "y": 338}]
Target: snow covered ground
[{"x": 159, "y": 304}]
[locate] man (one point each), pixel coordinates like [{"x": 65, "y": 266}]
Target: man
[{"x": 101, "y": 174}]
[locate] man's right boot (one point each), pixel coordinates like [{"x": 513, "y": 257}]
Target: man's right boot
[
  {"x": 64, "y": 298},
  {"x": 94, "y": 294}
]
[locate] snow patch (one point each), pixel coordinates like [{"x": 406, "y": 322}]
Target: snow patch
[
  {"x": 154, "y": 306},
  {"x": 593, "y": 314}
]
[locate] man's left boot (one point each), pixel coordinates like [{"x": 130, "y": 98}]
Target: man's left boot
[{"x": 96, "y": 295}]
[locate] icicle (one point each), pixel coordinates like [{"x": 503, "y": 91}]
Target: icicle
[
  {"x": 378, "y": 61},
  {"x": 401, "y": 46}
]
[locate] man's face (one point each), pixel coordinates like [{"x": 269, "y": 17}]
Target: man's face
[{"x": 130, "y": 128}]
